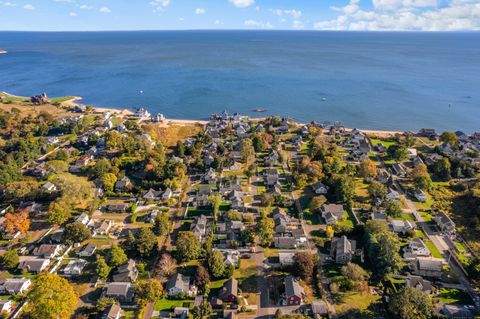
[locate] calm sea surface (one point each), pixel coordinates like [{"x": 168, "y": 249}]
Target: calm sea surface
[{"x": 369, "y": 80}]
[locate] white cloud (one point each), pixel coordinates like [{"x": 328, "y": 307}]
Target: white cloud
[
  {"x": 28, "y": 7},
  {"x": 242, "y": 3},
  {"x": 69, "y": 1},
  {"x": 294, "y": 14},
  {"x": 217, "y": 22},
  {"x": 159, "y": 5},
  {"x": 297, "y": 24},
  {"x": 104, "y": 10},
  {"x": 181, "y": 19},
  {"x": 200, "y": 11},
  {"x": 72, "y": 14},
  {"x": 258, "y": 24},
  {"x": 396, "y": 4},
  {"x": 9, "y": 4},
  {"x": 85, "y": 7},
  {"x": 456, "y": 15}
]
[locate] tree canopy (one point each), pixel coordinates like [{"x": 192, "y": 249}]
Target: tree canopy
[{"x": 52, "y": 297}]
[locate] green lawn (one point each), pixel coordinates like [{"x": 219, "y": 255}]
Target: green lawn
[
  {"x": 435, "y": 252},
  {"x": 450, "y": 295},
  {"x": 55, "y": 100},
  {"x": 168, "y": 304},
  {"x": 385, "y": 143},
  {"x": 355, "y": 301},
  {"x": 407, "y": 216}
]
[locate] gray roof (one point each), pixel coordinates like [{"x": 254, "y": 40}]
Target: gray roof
[
  {"x": 118, "y": 288},
  {"x": 292, "y": 287},
  {"x": 230, "y": 287},
  {"x": 179, "y": 281}
]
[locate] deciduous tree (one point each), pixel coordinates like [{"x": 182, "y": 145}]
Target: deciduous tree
[
  {"x": 18, "y": 221},
  {"x": 116, "y": 256},
  {"x": 76, "y": 232},
  {"x": 411, "y": 303},
  {"x": 101, "y": 268},
  {"x": 52, "y": 297},
  {"x": 188, "y": 246},
  {"x": 149, "y": 290}
]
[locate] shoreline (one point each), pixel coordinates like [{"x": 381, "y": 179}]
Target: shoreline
[{"x": 185, "y": 122}]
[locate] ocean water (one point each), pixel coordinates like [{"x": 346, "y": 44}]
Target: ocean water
[{"x": 402, "y": 81}]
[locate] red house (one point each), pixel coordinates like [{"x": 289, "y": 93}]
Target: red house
[
  {"x": 294, "y": 293},
  {"x": 229, "y": 291}
]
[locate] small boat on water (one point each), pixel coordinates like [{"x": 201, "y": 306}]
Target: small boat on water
[
  {"x": 260, "y": 110},
  {"x": 324, "y": 98},
  {"x": 3, "y": 52}
]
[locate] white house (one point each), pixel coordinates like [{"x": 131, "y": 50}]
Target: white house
[
  {"x": 83, "y": 218},
  {"x": 401, "y": 226},
  {"x": 6, "y": 306},
  {"x": 15, "y": 286},
  {"x": 75, "y": 267}
]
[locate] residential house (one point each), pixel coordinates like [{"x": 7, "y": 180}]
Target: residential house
[
  {"x": 399, "y": 170},
  {"x": 14, "y": 286},
  {"x": 229, "y": 292},
  {"x": 33, "y": 264},
  {"x": 201, "y": 227},
  {"x": 152, "y": 194},
  {"x": 113, "y": 311},
  {"x": 103, "y": 228},
  {"x": 6, "y": 306},
  {"x": 320, "y": 188},
  {"x": 123, "y": 185},
  {"x": 428, "y": 132},
  {"x": 418, "y": 248},
  {"x": 445, "y": 223},
  {"x": 210, "y": 176},
  {"x": 117, "y": 208},
  {"x": 285, "y": 242},
  {"x": 122, "y": 291},
  {"x": 203, "y": 195},
  {"x": 49, "y": 187},
  {"x": 401, "y": 226},
  {"x": 236, "y": 200},
  {"x": 281, "y": 220},
  {"x": 420, "y": 195},
  {"x": 393, "y": 195},
  {"x": 419, "y": 283},
  {"x": 126, "y": 272},
  {"x": 294, "y": 293},
  {"x": 319, "y": 309},
  {"x": 271, "y": 176},
  {"x": 272, "y": 158},
  {"x": 75, "y": 267},
  {"x": 427, "y": 267},
  {"x": 332, "y": 213},
  {"x": 379, "y": 216},
  {"x": 286, "y": 257},
  {"x": 179, "y": 284},
  {"x": 453, "y": 311},
  {"x": 47, "y": 250},
  {"x": 87, "y": 251},
  {"x": 343, "y": 249},
  {"x": 83, "y": 219},
  {"x": 167, "y": 194}
]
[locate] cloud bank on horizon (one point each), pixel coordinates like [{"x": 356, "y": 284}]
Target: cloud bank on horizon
[{"x": 353, "y": 15}]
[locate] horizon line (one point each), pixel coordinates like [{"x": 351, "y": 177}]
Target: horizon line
[{"x": 248, "y": 30}]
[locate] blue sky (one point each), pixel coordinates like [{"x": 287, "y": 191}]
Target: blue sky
[{"x": 69, "y": 15}]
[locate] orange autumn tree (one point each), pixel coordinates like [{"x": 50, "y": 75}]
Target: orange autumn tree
[{"x": 17, "y": 222}]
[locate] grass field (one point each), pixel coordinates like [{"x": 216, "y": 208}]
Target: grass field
[
  {"x": 435, "y": 252},
  {"x": 168, "y": 304},
  {"x": 355, "y": 301}
]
